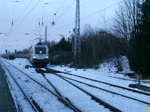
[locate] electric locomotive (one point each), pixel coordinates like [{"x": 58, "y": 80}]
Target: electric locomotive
[{"x": 39, "y": 55}]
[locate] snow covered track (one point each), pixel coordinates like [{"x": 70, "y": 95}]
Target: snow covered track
[
  {"x": 73, "y": 89},
  {"x": 104, "y": 89},
  {"x": 68, "y": 102},
  {"x": 63, "y": 100},
  {"x": 114, "y": 85},
  {"x": 89, "y": 87},
  {"x": 31, "y": 101},
  {"x": 133, "y": 80},
  {"x": 93, "y": 97}
]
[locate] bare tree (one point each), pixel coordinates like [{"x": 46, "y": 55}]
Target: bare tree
[{"x": 126, "y": 18}]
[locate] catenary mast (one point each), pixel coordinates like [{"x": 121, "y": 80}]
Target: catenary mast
[{"x": 77, "y": 41}]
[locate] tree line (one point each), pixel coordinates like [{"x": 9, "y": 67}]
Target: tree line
[
  {"x": 96, "y": 46},
  {"x": 133, "y": 23}
]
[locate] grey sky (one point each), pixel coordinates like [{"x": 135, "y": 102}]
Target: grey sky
[{"x": 26, "y": 15}]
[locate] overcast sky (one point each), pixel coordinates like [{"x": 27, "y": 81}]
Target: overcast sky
[{"x": 21, "y": 17}]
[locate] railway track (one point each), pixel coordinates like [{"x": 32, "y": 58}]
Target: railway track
[
  {"x": 57, "y": 91},
  {"x": 93, "y": 97},
  {"x": 133, "y": 80},
  {"x": 98, "y": 81},
  {"x": 65, "y": 101},
  {"x": 96, "y": 87},
  {"x": 101, "y": 102},
  {"x": 69, "y": 80},
  {"x": 29, "y": 99},
  {"x": 74, "y": 82}
]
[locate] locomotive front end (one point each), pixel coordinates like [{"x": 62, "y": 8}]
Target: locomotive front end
[{"x": 40, "y": 55}]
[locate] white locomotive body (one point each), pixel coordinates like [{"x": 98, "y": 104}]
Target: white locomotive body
[{"x": 39, "y": 55}]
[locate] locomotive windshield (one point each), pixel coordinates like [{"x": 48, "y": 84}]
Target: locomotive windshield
[{"x": 40, "y": 50}]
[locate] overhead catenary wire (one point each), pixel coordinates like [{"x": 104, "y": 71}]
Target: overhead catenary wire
[
  {"x": 85, "y": 17},
  {"x": 65, "y": 12},
  {"x": 12, "y": 20},
  {"x": 26, "y": 7},
  {"x": 54, "y": 16},
  {"x": 15, "y": 25},
  {"x": 54, "y": 13},
  {"x": 25, "y": 16},
  {"x": 59, "y": 8},
  {"x": 30, "y": 10},
  {"x": 13, "y": 17},
  {"x": 90, "y": 15}
]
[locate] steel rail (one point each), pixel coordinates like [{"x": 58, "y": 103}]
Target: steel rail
[
  {"x": 33, "y": 104},
  {"x": 56, "y": 90},
  {"x": 136, "y": 91},
  {"x": 106, "y": 90},
  {"x": 107, "y": 105},
  {"x": 63, "y": 100}
]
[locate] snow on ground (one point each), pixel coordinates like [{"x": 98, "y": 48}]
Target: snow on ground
[
  {"x": 108, "y": 87},
  {"x": 47, "y": 101},
  {"x": 78, "y": 98},
  {"x": 106, "y": 72},
  {"x": 122, "y": 103}
]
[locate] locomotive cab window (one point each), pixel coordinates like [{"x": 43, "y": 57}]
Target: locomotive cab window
[{"x": 40, "y": 50}]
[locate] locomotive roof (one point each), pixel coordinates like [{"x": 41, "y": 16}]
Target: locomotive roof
[{"x": 40, "y": 45}]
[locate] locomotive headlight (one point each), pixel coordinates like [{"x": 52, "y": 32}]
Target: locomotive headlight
[
  {"x": 46, "y": 57},
  {"x": 34, "y": 57}
]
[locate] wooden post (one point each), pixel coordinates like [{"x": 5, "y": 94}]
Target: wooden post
[{"x": 138, "y": 78}]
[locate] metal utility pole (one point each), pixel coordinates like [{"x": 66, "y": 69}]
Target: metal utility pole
[
  {"x": 76, "y": 43},
  {"x": 45, "y": 34}
]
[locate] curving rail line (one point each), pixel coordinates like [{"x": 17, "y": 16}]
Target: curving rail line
[
  {"x": 56, "y": 90},
  {"x": 31, "y": 101},
  {"x": 125, "y": 88},
  {"x": 104, "y": 89},
  {"x": 101, "y": 102},
  {"x": 67, "y": 102}
]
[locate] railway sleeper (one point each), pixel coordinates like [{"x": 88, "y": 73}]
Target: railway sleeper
[{"x": 141, "y": 87}]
